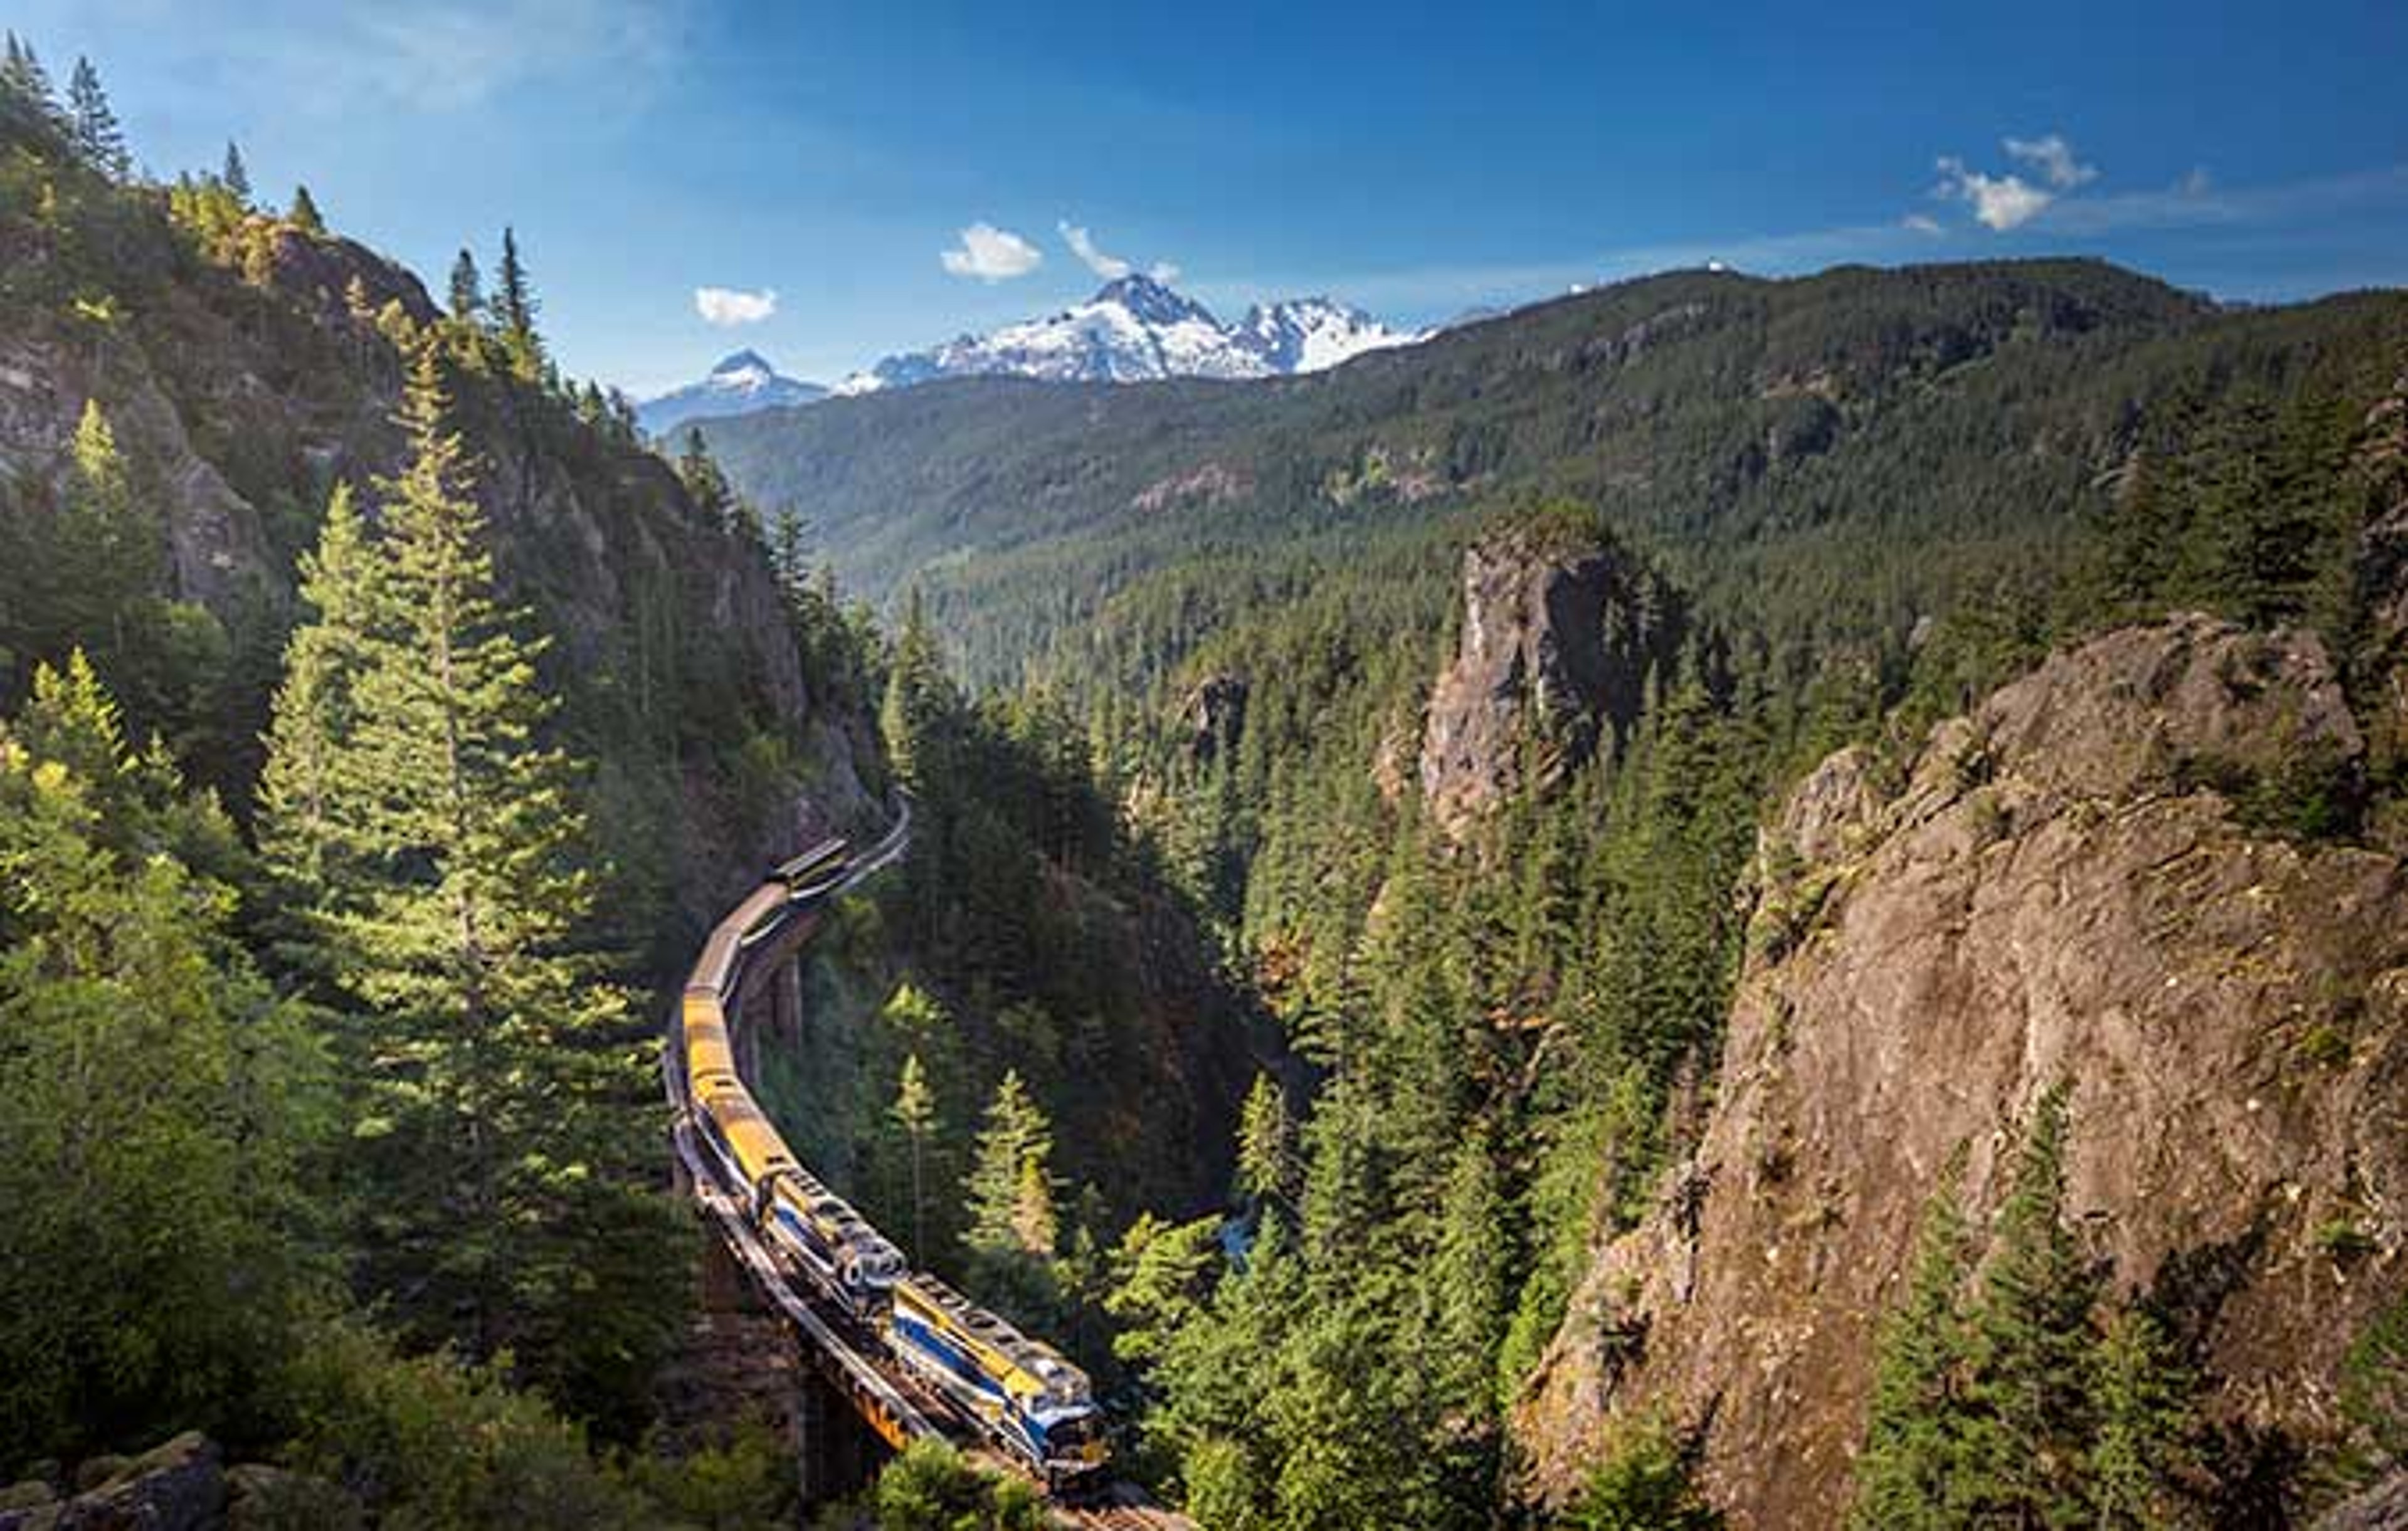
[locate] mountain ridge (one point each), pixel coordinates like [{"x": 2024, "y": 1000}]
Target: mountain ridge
[
  {"x": 1138, "y": 328},
  {"x": 738, "y": 383}
]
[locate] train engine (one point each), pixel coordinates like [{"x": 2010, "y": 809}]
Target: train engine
[{"x": 1022, "y": 1393}]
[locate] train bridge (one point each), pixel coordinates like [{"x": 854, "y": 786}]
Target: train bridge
[{"x": 853, "y": 1402}]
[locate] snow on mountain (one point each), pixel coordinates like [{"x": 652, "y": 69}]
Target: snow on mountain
[
  {"x": 1135, "y": 329},
  {"x": 738, "y": 385},
  {"x": 1308, "y": 335}
]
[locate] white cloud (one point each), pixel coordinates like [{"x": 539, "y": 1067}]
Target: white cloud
[
  {"x": 1920, "y": 223},
  {"x": 1110, "y": 267},
  {"x": 2054, "y": 158},
  {"x": 2009, "y": 200},
  {"x": 1999, "y": 202},
  {"x": 1164, "y": 272},
  {"x": 729, "y": 306},
  {"x": 2195, "y": 182},
  {"x": 991, "y": 254}
]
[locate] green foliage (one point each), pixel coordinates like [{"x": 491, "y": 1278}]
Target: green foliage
[
  {"x": 156, "y": 1101},
  {"x": 431, "y": 1444},
  {"x": 513, "y": 310},
  {"x": 303, "y": 215},
  {"x": 2008, "y": 1391},
  {"x": 2374, "y": 1395},
  {"x": 931, "y": 1487},
  {"x": 1641, "y": 1483},
  {"x": 430, "y": 847},
  {"x": 92, "y": 125},
  {"x": 1266, "y": 1143},
  {"x": 743, "y": 1482}
]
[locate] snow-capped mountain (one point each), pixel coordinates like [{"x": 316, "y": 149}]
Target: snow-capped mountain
[
  {"x": 738, "y": 385},
  {"x": 1134, "y": 330}
]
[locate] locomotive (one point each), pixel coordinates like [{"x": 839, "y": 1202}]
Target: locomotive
[{"x": 1019, "y": 1391}]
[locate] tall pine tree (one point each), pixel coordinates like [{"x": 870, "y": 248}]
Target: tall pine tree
[
  {"x": 2031, "y": 1344},
  {"x": 514, "y": 307},
  {"x": 1915, "y": 1429},
  {"x": 92, "y": 125},
  {"x": 504, "y": 1122},
  {"x": 467, "y": 288}
]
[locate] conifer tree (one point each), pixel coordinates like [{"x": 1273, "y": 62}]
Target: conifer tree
[
  {"x": 915, "y": 1111},
  {"x": 305, "y": 215},
  {"x": 1266, "y": 1143},
  {"x": 310, "y": 812},
  {"x": 236, "y": 177},
  {"x": 1011, "y": 1187},
  {"x": 506, "y": 1088},
  {"x": 109, "y": 547},
  {"x": 1466, "y": 1289},
  {"x": 1915, "y": 1426},
  {"x": 515, "y": 310},
  {"x": 92, "y": 125},
  {"x": 704, "y": 481},
  {"x": 2141, "y": 1396},
  {"x": 24, "y": 80},
  {"x": 2031, "y": 1343},
  {"x": 467, "y": 288},
  {"x": 920, "y": 702}
]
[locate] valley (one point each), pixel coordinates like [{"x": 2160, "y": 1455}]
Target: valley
[{"x": 1706, "y": 900}]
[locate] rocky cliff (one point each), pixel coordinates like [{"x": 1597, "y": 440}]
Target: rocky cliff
[
  {"x": 2095, "y": 878},
  {"x": 240, "y": 396},
  {"x": 1559, "y": 638}
]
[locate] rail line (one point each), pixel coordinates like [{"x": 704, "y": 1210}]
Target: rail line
[{"x": 825, "y": 1320}]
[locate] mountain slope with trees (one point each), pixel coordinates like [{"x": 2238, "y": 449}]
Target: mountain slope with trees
[{"x": 1453, "y": 689}]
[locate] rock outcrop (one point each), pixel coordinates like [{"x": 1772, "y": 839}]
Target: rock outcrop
[
  {"x": 179, "y": 1486},
  {"x": 1558, "y": 642},
  {"x": 2066, "y": 887}
]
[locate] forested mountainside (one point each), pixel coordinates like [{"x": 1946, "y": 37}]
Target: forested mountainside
[
  {"x": 1476, "y": 697},
  {"x": 1769, "y": 441},
  {"x": 380, "y": 723}
]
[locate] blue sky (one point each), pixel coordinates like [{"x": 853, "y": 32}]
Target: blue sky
[{"x": 1418, "y": 160}]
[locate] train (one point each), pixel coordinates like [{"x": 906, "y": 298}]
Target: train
[{"x": 1021, "y": 1394}]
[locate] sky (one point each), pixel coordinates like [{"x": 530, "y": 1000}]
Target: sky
[{"x": 830, "y": 183}]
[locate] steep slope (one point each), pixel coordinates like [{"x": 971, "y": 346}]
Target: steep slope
[
  {"x": 245, "y": 366},
  {"x": 2082, "y": 881},
  {"x": 739, "y": 384}
]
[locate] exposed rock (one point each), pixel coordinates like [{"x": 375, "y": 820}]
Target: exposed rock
[
  {"x": 2060, "y": 890},
  {"x": 177, "y": 1486},
  {"x": 1558, "y": 645},
  {"x": 2382, "y": 1507},
  {"x": 19, "y": 1503},
  {"x": 319, "y": 270},
  {"x": 1214, "y": 715},
  {"x": 263, "y": 1498}
]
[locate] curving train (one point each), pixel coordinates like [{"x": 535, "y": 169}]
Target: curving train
[{"x": 1019, "y": 1391}]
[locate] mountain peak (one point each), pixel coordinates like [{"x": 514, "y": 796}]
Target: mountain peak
[
  {"x": 1152, "y": 300},
  {"x": 742, "y": 382},
  {"x": 1138, "y": 328}
]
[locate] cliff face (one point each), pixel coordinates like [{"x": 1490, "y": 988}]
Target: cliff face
[
  {"x": 237, "y": 404},
  {"x": 1558, "y": 645},
  {"x": 2071, "y": 885}
]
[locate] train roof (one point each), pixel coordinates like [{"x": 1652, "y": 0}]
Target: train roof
[
  {"x": 809, "y": 861},
  {"x": 832, "y": 1212},
  {"x": 750, "y": 1136},
  {"x": 1062, "y": 1383}
]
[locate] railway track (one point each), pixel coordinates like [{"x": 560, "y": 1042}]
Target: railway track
[{"x": 891, "y": 1400}]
